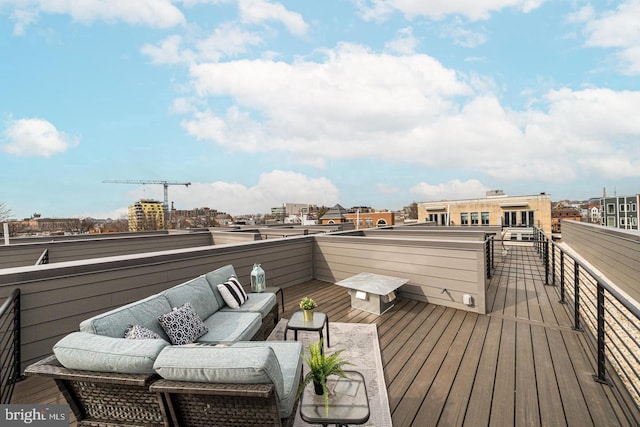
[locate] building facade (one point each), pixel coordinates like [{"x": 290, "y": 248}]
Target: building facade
[
  {"x": 146, "y": 214},
  {"x": 620, "y": 211},
  {"x": 494, "y": 209}
]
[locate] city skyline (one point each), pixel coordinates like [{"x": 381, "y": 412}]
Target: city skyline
[{"x": 363, "y": 103}]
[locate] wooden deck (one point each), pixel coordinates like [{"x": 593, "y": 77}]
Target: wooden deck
[{"x": 521, "y": 364}]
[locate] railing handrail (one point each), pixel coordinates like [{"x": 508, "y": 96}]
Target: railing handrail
[
  {"x": 12, "y": 372},
  {"x": 44, "y": 258}
]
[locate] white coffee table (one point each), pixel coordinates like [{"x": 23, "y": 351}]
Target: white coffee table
[{"x": 372, "y": 292}]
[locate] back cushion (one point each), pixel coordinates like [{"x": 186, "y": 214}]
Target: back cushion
[
  {"x": 217, "y": 277},
  {"x": 198, "y": 293},
  {"x": 145, "y": 313}
]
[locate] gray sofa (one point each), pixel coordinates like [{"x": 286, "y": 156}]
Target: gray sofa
[{"x": 229, "y": 356}]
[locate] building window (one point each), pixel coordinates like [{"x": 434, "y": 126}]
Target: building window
[
  {"x": 624, "y": 207},
  {"x": 433, "y": 217},
  {"x": 611, "y": 208},
  {"x": 527, "y": 218},
  {"x": 485, "y": 218},
  {"x": 464, "y": 218},
  {"x": 634, "y": 221},
  {"x": 369, "y": 222},
  {"x": 381, "y": 223},
  {"x": 633, "y": 207},
  {"x": 611, "y": 221},
  {"x": 474, "y": 218},
  {"x": 510, "y": 219}
]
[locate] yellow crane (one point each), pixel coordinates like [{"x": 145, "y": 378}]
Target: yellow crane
[{"x": 165, "y": 184}]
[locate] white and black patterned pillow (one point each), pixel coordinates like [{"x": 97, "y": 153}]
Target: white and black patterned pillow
[
  {"x": 233, "y": 293},
  {"x": 183, "y": 325},
  {"x": 137, "y": 332}
]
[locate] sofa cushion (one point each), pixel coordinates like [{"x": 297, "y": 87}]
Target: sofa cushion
[
  {"x": 182, "y": 324},
  {"x": 229, "y": 327},
  {"x": 218, "y": 276},
  {"x": 261, "y": 303},
  {"x": 289, "y": 356},
  {"x": 224, "y": 365},
  {"x": 91, "y": 352},
  {"x": 137, "y": 332},
  {"x": 198, "y": 293},
  {"x": 232, "y": 292},
  {"x": 144, "y": 312}
]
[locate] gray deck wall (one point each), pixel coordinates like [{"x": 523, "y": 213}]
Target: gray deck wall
[
  {"x": 615, "y": 252},
  {"x": 438, "y": 271},
  {"x": 19, "y": 254}
]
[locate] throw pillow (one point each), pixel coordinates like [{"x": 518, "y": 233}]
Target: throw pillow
[
  {"x": 233, "y": 293},
  {"x": 183, "y": 325},
  {"x": 137, "y": 332}
]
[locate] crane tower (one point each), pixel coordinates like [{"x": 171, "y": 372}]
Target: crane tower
[{"x": 165, "y": 184}]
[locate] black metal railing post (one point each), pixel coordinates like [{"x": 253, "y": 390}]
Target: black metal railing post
[
  {"x": 601, "y": 377},
  {"x": 553, "y": 264},
  {"x": 562, "y": 300},
  {"x": 17, "y": 354},
  {"x": 546, "y": 262},
  {"x": 576, "y": 297}
]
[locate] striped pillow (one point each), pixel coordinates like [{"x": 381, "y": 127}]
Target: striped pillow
[{"x": 233, "y": 293}]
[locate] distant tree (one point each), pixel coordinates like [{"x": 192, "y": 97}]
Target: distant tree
[
  {"x": 321, "y": 211},
  {"x": 87, "y": 224},
  {"x": 5, "y": 212},
  {"x": 412, "y": 211}
]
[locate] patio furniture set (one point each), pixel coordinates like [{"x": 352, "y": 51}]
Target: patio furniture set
[{"x": 192, "y": 355}]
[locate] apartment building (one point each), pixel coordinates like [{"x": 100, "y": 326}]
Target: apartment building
[
  {"x": 620, "y": 211},
  {"x": 146, "y": 214},
  {"x": 496, "y": 208}
]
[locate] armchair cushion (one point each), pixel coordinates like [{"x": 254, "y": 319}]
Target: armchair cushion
[
  {"x": 289, "y": 356},
  {"x": 258, "y": 365},
  {"x": 198, "y": 293},
  {"x": 91, "y": 352},
  {"x": 256, "y": 303}
]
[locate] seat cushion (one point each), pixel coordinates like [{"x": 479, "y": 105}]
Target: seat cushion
[
  {"x": 144, "y": 312},
  {"x": 261, "y": 303},
  {"x": 289, "y": 356},
  {"x": 198, "y": 293},
  {"x": 91, "y": 352},
  {"x": 229, "y": 327},
  {"x": 258, "y": 365}
]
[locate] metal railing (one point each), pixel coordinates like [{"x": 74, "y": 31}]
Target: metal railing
[
  {"x": 489, "y": 255},
  {"x": 606, "y": 315},
  {"x": 9, "y": 345}
]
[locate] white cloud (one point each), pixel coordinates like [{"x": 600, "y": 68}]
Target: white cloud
[
  {"x": 618, "y": 29},
  {"x": 227, "y": 40},
  {"x": 259, "y": 11},
  {"x": 34, "y": 137},
  {"x": 438, "y": 9},
  {"x": 152, "y": 13},
  {"x": 405, "y": 43},
  {"x": 272, "y": 189},
  {"x": 23, "y": 18},
  {"x": 463, "y": 36},
  {"x": 410, "y": 109},
  {"x": 454, "y": 189}
]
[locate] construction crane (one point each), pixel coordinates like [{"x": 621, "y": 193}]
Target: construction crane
[{"x": 166, "y": 185}]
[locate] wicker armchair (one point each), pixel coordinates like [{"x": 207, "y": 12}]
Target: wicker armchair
[
  {"x": 192, "y": 404},
  {"x": 102, "y": 399}
]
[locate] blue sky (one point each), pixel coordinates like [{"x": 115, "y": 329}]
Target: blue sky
[{"x": 359, "y": 102}]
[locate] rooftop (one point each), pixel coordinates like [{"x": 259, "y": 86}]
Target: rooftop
[{"x": 519, "y": 364}]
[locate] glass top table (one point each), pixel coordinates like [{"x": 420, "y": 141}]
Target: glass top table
[
  {"x": 297, "y": 323},
  {"x": 348, "y": 402}
]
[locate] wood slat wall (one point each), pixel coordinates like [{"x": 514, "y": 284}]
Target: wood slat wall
[
  {"x": 458, "y": 267},
  {"x": 25, "y": 254},
  {"x": 615, "y": 252}
]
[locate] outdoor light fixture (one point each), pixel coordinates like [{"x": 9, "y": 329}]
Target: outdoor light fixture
[{"x": 258, "y": 279}]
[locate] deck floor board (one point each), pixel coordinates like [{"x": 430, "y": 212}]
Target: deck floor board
[{"x": 521, "y": 364}]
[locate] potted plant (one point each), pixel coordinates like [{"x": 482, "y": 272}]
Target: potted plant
[
  {"x": 320, "y": 368},
  {"x": 307, "y": 305}
]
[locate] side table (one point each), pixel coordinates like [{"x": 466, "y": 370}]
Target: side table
[
  {"x": 348, "y": 402},
  {"x": 297, "y": 323},
  {"x": 276, "y": 290}
]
